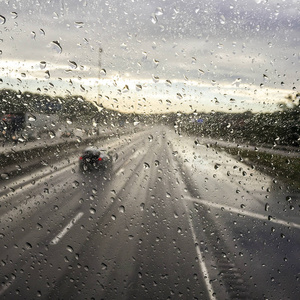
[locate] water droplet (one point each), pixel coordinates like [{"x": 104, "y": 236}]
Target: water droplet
[
  {"x": 5, "y": 176},
  {"x": 121, "y": 209},
  {"x": 168, "y": 82},
  {"x": 113, "y": 217},
  {"x": 125, "y": 89},
  {"x": 267, "y": 207},
  {"x": 288, "y": 198},
  {"x": 75, "y": 184},
  {"x": 103, "y": 266},
  {"x": 43, "y": 65},
  {"x": 159, "y": 11},
  {"x": 156, "y": 62},
  {"x": 69, "y": 121},
  {"x": 144, "y": 55},
  {"x": 266, "y": 78},
  {"x": 92, "y": 210},
  {"x": 79, "y": 24},
  {"x": 179, "y": 96},
  {"x": 31, "y": 118},
  {"x": 33, "y": 35},
  {"x": 138, "y": 87},
  {"x": 123, "y": 46},
  {"x": 103, "y": 72},
  {"x": 194, "y": 60},
  {"x": 146, "y": 165},
  {"x": 73, "y": 64},
  {"x": 156, "y": 163},
  {"x": 52, "y": 134},
  {"x": 47, "y": 75},
  {"x": 39, "y": 226},
  {"x": 222, "y": 20},
  {"x": 201, "y": 71},
  {"x": 155, "y": 78},
  {"x": 142, "y": 206},
  {"x": 28, "y": 246},
  {"x": 154, "y": 19},
  {"x": 56, "y": 46},
  {"x": 150, "y": 138},
  {"x": 70, "y": 248},
  {"x": 217, "y": 166},
  {"x": 14, "y": 15},
  {"x": 2, "y": 20}
]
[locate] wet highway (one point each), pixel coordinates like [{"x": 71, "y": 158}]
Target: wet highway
[{"x": 171, "y": 220}]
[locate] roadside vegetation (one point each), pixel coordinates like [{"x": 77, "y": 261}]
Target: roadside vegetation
[
  {"x": 278, "y": 129},
  {"x": 280, "y": 167}
]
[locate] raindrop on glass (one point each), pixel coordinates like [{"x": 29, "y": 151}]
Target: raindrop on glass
[
  {"x": 14, "y": 15},
  {"x": 2, "y": 20},
  {"x": 78, "y": 24},
  {"x": 73, "y": 64},
  {"x": 56, "y": 46},
  {"x": 43, "y": 64},
  {"x": 70, "y": 248},
  {"x": 121, "y": 209}
]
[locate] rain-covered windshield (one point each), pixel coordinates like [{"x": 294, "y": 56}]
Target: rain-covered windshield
[{"x": 196, "y": 192}]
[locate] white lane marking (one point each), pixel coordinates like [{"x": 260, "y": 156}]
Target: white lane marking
[
  {"x": 202, "y": 265},
  {"x": 6, "y": 285},
  {"x": 245, "y": 213},
  {"x": 66, "y": 229}
]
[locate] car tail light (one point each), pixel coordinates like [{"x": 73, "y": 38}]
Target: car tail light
[
  {"x": 99, "y": 158},
  {"x": 80, "y": 157}
]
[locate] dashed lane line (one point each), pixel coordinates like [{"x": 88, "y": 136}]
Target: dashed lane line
[
  {"x": 65, "y": 230},
  {"x": 202, "y": 265}
]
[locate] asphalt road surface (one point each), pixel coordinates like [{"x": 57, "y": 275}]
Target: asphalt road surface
[{"x": 171, "y": 220}]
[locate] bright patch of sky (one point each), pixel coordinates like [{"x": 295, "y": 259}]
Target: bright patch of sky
[{"x": 157, "y": 56}]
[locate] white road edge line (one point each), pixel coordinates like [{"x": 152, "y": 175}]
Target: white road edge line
[
  {"x": 202, "y": 265},
  {"x": 243, "y": 212},
  {"x": 66, "y": 229}
]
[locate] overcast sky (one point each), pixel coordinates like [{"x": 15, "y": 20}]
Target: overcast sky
[{"x": 156, "y": 56}]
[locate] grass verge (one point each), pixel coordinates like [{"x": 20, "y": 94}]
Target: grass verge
[{"x": 286, "y": 169}]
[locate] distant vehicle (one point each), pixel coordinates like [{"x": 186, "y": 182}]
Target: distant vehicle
[
  {"x": 28, "y": 126},
  {"x": 95, "y": 159}
]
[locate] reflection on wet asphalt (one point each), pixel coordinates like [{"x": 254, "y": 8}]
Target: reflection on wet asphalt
[{"x": 170, "y": 220}]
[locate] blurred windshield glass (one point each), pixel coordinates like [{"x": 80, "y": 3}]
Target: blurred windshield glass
[{"x": 194, "y": 106}]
